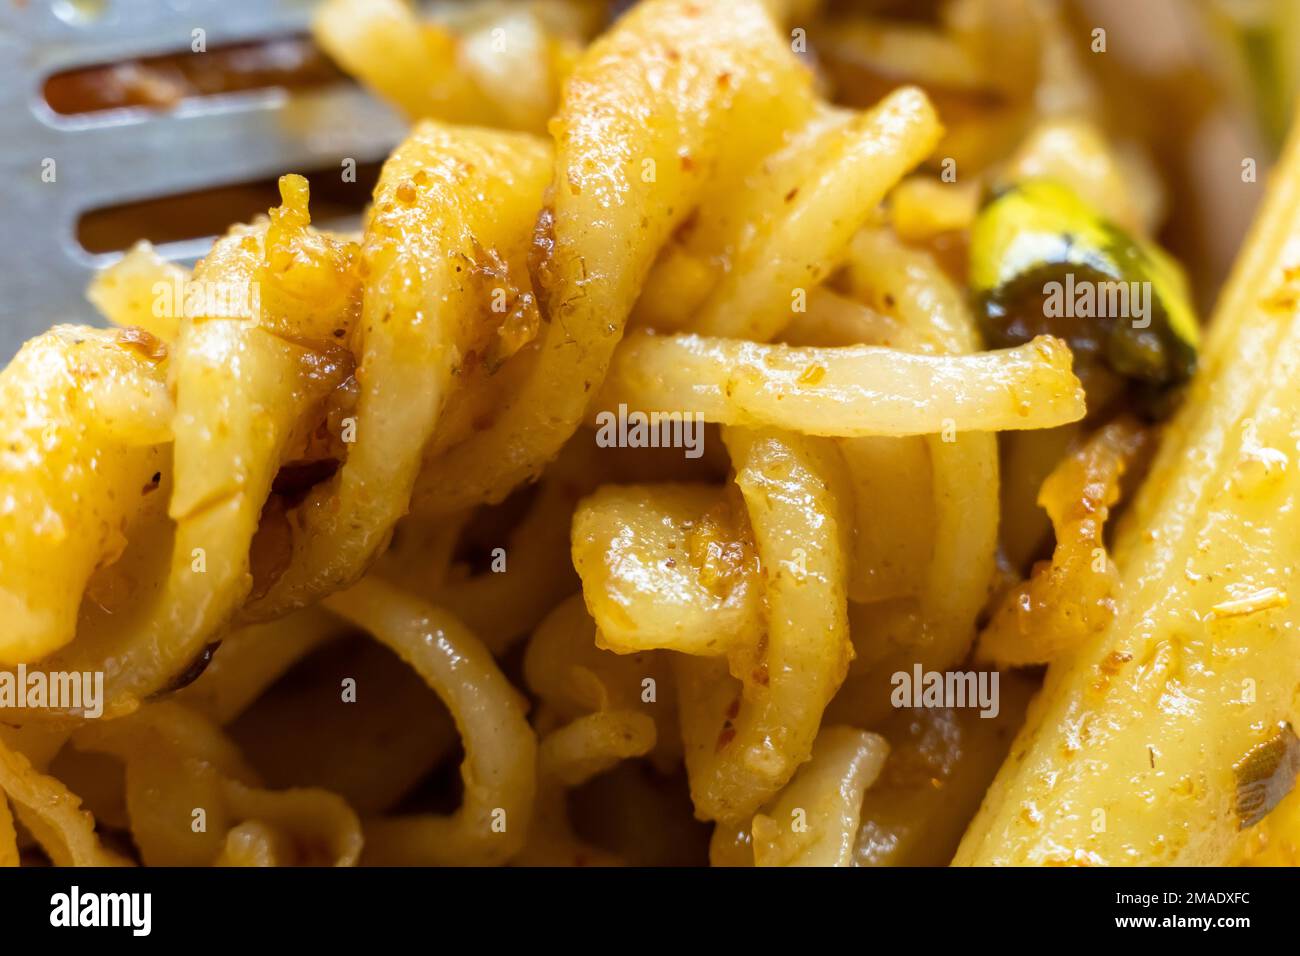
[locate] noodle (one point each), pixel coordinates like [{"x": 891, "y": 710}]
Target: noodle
[
  {"x": 1207, "y": 513},
  {"x": 633, "y": 150},
  {"x": 738, "y": 757},
  {"x": 664, "y": 471},
  {"x": 572, "y": 755},
  {"x": 500, "y": 747},
  {"x": 50, "y": 813},
  {"x": 821, "y": 391},
  {"x": 824, "y": 800},
  {"x": 428, "y": 270}
]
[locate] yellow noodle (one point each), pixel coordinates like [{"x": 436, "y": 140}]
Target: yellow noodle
[
  {"x": 668, "y": 566},
  {"x": 865, "y": 159},
  {"x": 454, "y": 212},
  {"x": 814, "y": 820},
  {"x": 253, "y": 658},
  {"x": 136, "y": 289},
  {"x": 847, "y": 392},
  {"x": 739, "y": 755},
  {"x": 67, "y": 506},
  {"x": 284, "y": 509},
  {"x": 500, "y": 748},
  {"x": 634, "y": 153},
  {"x": 51, "y": 813},
  {"x": 1208, "y": 526},
  {"x": 187, "y": 787},
  {"x": 569, "y": 756}
]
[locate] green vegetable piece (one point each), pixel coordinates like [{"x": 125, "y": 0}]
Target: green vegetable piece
[{"x": 1043, "y": 261}]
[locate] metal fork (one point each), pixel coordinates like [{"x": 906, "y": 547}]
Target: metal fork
[{"x": 121, "y": 156}]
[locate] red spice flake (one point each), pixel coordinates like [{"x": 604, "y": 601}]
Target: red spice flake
[
  {"x": 727, "y": 736},
  {"x": 469, "y": 363}
]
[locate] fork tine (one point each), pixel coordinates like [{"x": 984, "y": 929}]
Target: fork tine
[
  {"x": 127, "y": 155},
  {"x": 215, "y": 146},
  {"x": 125, "y": 29}
]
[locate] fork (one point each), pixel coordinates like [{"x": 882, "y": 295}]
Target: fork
[{"x": 55, "y": 168}]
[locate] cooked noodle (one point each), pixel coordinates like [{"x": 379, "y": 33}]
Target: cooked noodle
[{"x": 655, "y": 433}]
